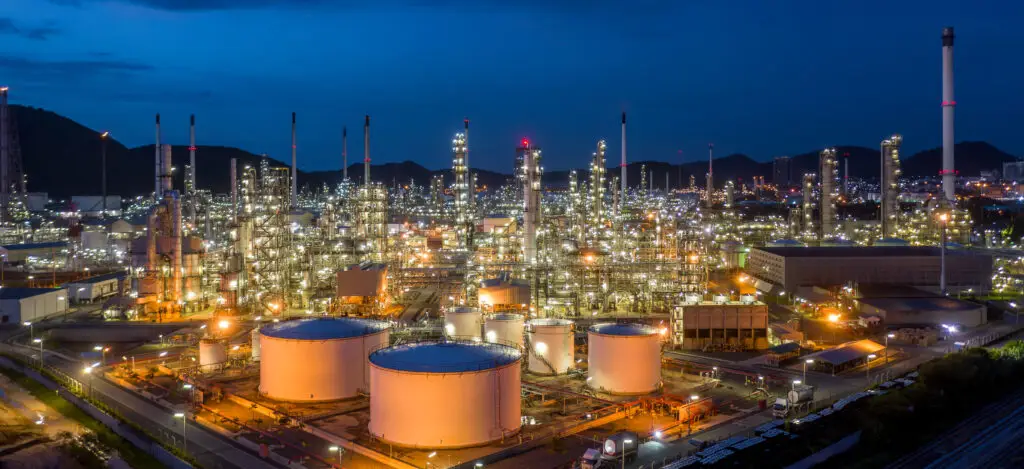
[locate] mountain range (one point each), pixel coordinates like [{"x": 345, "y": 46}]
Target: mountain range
[{"x": 50, "y": 142}]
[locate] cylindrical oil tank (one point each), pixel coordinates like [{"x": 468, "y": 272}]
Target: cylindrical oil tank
[
  {"x": 445, "y": 394},
  {"x": 504, "y": 328},
  {"x": 462, "y": 322},
  {"x": 623, "y": 358},
  {"x": 319, "y": 359},
  {"x": 212, "y": 353},
  {"x": 551, "y": 346},
  {"x": 256, "y": 344}
]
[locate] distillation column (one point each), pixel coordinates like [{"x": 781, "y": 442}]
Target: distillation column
[
  {"x": 890, "y": 186},
  {"x": 828, "y": 170}
]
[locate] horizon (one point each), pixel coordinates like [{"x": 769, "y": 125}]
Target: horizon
[{"x": 755, "y": 79}]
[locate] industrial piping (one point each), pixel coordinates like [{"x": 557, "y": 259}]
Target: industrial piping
[
  {"x": 948, "y": 103},
  {"x": 295, "y": 197}
]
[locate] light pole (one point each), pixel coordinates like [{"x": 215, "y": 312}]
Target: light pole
[
  {"x": 942, "y": 253},
  {"x": 40, "y": 342},
  {"x": 807, "y": 362},
  {"x": 340, "y": 451},
  {"x": 689, "y": 414},
  {"x": 867, "y": 367},
  {"x": 191, "y": 393},
  {"x": 103, "y": 350},
  {"x": 184, "y": 430},
  {"x": 887, "y": 337},
  {"x": 624, "y": 443},
  {"x": 88, "y": 371},
  {"x": 31, "y": 329},
  {"x": 431, "y": 456},
  {"x": 103, "y": 169}
]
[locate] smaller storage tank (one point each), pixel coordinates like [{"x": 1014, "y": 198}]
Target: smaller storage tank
[
  {"x": 623, "y": 358},
  {"x": 212, "y": 353},
  {"x": 462, "y": 322},
  {"x": 504, "y": 328},
  {"x": 551, "y": 346},
  {"x": 255, "y": 340}
]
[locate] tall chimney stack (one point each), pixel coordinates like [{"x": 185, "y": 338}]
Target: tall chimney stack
[
  {"x": 622, "y": 165},
  {"x": 948, "y": 103},
  {"x": 711, "y": 179},
  {"x": 157, "y": 169},
  {"x": 366, "y": 151},
  {"x": 466, "y": 121},
  {"x": 295, "y": 178},
  {"x": 344, "y": 153},
  {"x": 234, "y": 189},
  {"x": 192, "y": 152}
]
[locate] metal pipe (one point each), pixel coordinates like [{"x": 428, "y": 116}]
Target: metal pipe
[
  {"x": 366, "y": 151},
  {"x": 157, "y": 170},
  {"x": 295, "y": 200},
  {"x": 622, "y": 165},
  {"x": 948, "y": 104},
  {"x": 192, "y": 153}
]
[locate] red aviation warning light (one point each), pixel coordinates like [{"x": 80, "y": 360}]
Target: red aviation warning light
[{"x": 526, "y": 142}]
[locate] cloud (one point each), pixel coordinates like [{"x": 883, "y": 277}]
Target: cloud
[
  {"x": 68, "y": 69},
  {"x": 38, "y": 33},
  {"x": 569, "y": 6}
]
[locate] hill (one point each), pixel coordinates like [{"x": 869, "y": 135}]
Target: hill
[{"x": 62, "y": 157}]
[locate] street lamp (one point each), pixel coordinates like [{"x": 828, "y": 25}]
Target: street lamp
[
  {"x": 100, "y": 348},
  {"x": 40, "y": 342},
  {"x": 31, "y": 330},
  {"x": 624, "y": 443},
  {"x": 867, "y": 367},
  {"x": 431, "y": 456},
  {"x": 340, "y": 451},
  {"x": 88, "y": 371},
  {"x": 887, "y": 337},
  {"x": 184, "y": 430},
  {"x": 807, "y": 362}
]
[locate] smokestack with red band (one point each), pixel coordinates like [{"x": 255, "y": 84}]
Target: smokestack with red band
[
  {"x": 623, "y": 163},
  {"x": 157, "y": 170},
  {"x": 344, "y": 153},
  {"x": 295, "y": 186},
  {"x": 948, "y": 103},
  {"x": 366, "y": 151}
]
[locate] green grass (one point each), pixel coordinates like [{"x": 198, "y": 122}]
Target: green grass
[{"x": 135, "y": 457}]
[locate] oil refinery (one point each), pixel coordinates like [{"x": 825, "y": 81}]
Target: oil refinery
[{"x": 447, "y": 324}]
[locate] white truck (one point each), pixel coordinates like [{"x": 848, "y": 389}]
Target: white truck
[
  {"x": 800, "y": 394},
  {"x": 618, "y": 448}
]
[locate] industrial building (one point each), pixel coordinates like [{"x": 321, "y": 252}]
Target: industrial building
[
  {"x": 15, "y": 254},
  {"x": 723, "y": 325},
  {"x": 97, "y": 287},
  {"x": 788, "y": 268},
  {"x": 928, "y": 311},
  {"x": 362, "y": 288},
  {"x": 18, "y": 305}
]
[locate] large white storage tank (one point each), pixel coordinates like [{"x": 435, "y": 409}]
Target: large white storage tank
[
  {"x": 212, "y": 353},
  {"x": 551, "y": 346},
  {"x": 504, "y": 328},
  {"x": 320, "y": 359},
  {"x": 462, "y": 322},
  {"x": 623, "y": 358},
  {"x": 445, "y": 394}
]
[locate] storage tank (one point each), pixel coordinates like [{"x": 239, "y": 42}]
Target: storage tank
[
  {"x": 445, "y": 394},
  {"x": 504, "y": 328},
  {"x": 551, "y": 346},
  {"x": 212, "y": 353},
  {"x": 318, "y": 359},
  {"x": 462, "y": 322},
  {"x": 255, "y": 337},
  {"x": 623, "y": 358}
]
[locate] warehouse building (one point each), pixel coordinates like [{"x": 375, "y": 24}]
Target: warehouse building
[
  {"x": 18, "y": 305},
  {"x": 788, "y": 268},
  {"x": 721, "y": 325},
  {"x": 15, "y": 254},
  {"x": 362, "y": 288},
  {"x": 931, "y": 311}
]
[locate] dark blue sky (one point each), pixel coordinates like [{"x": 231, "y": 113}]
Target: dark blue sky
[{"x": 761, "y": 77}]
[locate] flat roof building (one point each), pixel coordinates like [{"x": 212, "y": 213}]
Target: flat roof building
[
  {"x": 721, "y": 326},
  {"x": 788, "y": 268},
  {"x": 18, "y": 305}
]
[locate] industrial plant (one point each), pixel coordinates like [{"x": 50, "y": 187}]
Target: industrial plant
[{"x": 441, "y": 323}]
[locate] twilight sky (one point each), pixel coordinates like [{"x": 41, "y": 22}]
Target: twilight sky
[{"x": 760, "y": 77}]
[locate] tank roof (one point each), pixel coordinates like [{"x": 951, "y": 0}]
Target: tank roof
[
  {"x": 622, "y": 329},
  {"x": 550, "y": 322},
  {"x": 445, "y": 357},
  {"x": 506, "y": 317},
  {"x": 323, "y": 328},
  {"x": 464, "y": 309}
]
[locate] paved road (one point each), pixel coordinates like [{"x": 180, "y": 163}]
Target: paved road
[{"x": 210, "y": 449}]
